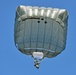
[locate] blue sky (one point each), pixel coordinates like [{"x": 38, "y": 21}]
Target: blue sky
[{"x": 13, "y": 62}]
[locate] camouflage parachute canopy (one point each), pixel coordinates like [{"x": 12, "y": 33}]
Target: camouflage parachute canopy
[{"x": 40, "y": 29}]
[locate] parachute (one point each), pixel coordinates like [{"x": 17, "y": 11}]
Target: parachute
[{"x": 40, "y": 32}]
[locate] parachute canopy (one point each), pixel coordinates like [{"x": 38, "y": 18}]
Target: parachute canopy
[{"x": 40, "y": 29}]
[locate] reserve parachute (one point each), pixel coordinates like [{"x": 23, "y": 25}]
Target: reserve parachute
[{"x": 40, "y": 32}]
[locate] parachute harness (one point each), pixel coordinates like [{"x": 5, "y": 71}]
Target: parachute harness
[{"x": 37, "y": 56}]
